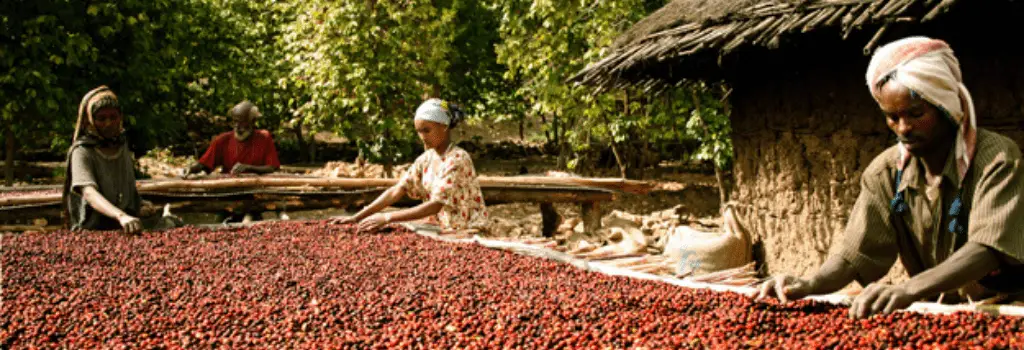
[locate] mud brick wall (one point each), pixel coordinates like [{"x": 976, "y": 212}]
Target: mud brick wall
[{"x": 806, "y": 127}]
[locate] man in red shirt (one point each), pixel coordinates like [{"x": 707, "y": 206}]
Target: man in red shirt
[{"x": 244, "y": 150}]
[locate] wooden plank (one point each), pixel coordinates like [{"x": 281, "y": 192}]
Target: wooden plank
[
  {"x": 191, "y": 203},
  {"x": 23, "y": 228},
  {"x": 263, "y": 182},
  {"x": 25, "y": 200},
  {"x": 514, "y": 195},
  {"x": 179, "y": 187},
  {"x": 632, "y": 186}
]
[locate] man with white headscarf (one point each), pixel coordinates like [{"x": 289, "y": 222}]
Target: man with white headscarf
[
  {"x": 443, "y": 177},
  {"x": 945, "y": 199}
]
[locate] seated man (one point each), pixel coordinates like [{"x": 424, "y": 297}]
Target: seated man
[
  {"x": 244, "y": 150},
  {"x": 945, "y": 199}
]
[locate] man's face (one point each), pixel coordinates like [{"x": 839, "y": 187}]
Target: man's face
[
  {"x": 243, "y": 126},
  {"x": 107, "y": 122},
  {"x": 919, "y": 125},
  {"x": 432, "y": 134}
]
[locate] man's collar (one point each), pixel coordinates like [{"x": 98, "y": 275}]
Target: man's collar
[{"x": 912, "y": 172}]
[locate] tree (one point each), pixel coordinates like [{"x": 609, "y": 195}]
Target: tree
[
  {"x": 364, "y": 66},
  {"x": 166, "y": 59},
  {"x": 546, "y": 41}
]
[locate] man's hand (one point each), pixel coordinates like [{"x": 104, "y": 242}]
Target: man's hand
[
  {"x": 344, "y": 221},
  {"x": 372, "y": 223},
  {"x": 129, "y": 223},
  {"x": 785, "y": 288},
  {"x": 240, "y": 168},
  {"x": 881, "y": 298},
  {"x": 195, "y": 168}
]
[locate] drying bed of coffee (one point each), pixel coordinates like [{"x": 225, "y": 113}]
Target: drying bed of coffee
[{"x": 316, "y": 285}]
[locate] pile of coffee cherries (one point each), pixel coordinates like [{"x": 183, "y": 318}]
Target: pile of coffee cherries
[{"x": 317, "y": 285}]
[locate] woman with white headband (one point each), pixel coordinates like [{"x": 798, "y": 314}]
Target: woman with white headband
[{"x": 443, "y": 177}]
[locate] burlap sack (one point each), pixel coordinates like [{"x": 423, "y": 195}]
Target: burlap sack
[{"x": 701, "y": 252}]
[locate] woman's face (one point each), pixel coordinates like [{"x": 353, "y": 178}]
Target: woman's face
[
  {"x": 107, "y": 122},
  {"x": 432, "y": 134}
]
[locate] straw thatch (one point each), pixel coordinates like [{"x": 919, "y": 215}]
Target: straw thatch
[{"x": 688, "y": 29}]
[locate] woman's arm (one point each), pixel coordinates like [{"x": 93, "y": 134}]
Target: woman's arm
[
  {"x": 418, "y": 212},
  {"x": 96, "y": 200},
  {"x": 386, "y": 199}
]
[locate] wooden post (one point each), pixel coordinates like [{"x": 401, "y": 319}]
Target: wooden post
[
  {"x": 591, "y": 214},
  {"x": 549, "y": 219}
]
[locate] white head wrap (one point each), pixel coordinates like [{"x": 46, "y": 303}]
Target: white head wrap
[
  {"x": 434, "y": 110},
  {"x": 928, "y": 68}
]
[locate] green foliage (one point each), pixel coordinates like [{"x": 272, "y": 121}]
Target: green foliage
[
  {"x": 545, "y": 42},
  {"x": 166, "y": 59},
  {"x": 355, "y": 67},
  {"x": 362, "y": 67}
]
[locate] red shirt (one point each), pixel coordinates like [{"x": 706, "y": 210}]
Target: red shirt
[{"x": 226, "y": 151}]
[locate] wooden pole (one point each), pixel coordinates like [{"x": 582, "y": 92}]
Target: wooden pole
[
  {"x": 549, "y": 219},
  {"x": 25, "y": 200},
  {"x": 496, "y": 189},
  {"x": 591, "y": 214},
  {"x": 632, "y": 186}
]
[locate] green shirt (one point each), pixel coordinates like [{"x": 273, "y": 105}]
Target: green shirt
[{"x": 920, "y": 237}]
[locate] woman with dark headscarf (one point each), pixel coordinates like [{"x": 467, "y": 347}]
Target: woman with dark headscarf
[{"x": 99, "y": 192}]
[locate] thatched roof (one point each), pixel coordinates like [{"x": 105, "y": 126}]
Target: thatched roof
[{"x": 686, "y": 29}]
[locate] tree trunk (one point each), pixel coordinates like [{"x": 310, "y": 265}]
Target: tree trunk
[
  {"x": 722, "y": 191},
  {"x": 618, "y": 160},
  {"x": 645, "y": 158},
  {"x": 522, "y": 122},
  {"x": 312, "y": 149},
  {"x": 303, "y": 147},
  {"x": 554, "y": 124},
  {"x": 563, "y": 161},
  {"x": 9, "y": 161},
  {"x": 626, "y": 112},
  {"x": 615, "y": 152},
  {"x": 388, "y": 163},
  {"x": 723, "y": 196},
  {"x": 544, "y": 121}
]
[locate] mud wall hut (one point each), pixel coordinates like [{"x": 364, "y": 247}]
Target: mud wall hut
[{"x": 804, "y": 123}]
